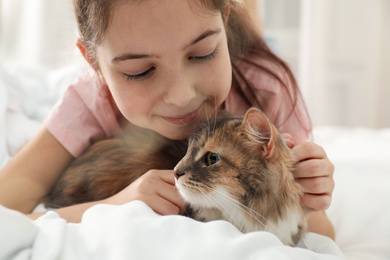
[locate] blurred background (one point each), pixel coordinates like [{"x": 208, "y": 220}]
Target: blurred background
[{"x": 339, "y": 50}]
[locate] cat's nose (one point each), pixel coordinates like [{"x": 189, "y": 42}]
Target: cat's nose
[{"x": 178, "y": 174}]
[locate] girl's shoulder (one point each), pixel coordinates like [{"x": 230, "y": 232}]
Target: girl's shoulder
[
  {"x": 85, "y": 113},
  {"x": 91, "y": 91},
  {"x": 90, "y": 87}
]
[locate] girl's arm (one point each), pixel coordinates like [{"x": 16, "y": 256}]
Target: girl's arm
[
  {"x": 72, "y": 214},
  {"x": 319, "y": 223},
  {"x": 30, "y": 175}
]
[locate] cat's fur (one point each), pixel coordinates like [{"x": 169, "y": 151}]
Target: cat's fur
[
  {"x": 108, "y": 166},
  {"x": 237, "y": 169}
]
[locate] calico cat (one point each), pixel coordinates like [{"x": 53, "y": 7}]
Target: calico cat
[{"x": 237, "y": 169}]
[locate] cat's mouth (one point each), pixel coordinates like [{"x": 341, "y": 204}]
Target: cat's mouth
[{"x": 195, "y": 195}]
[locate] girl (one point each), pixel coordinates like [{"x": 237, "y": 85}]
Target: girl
[{"x": 165, "y": 65}]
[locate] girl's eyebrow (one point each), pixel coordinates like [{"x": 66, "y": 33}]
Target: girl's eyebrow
[
  {"x": 204, "y": 35},
  {"x": 129, "y": 56}
]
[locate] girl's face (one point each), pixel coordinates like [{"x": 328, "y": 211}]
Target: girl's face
[{"x": 166, "y": 63}]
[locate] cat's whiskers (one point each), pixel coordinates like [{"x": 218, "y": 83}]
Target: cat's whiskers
[
  {"x": 255, "y": 215},
  {"x": 206, "y": 124},
  {"x": 215, "y": 115},
  {"x": 204, "y": 195},
  {"x": 216, "y": 200},
  {"x": 184, "y": 123},
  {"x": 209, "y": 196},
  {"x": 240, "y": 206}
]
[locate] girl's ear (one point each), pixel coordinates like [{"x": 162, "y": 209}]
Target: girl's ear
[
  {"x": 86, "y": 53},
  {"x": 227, "y": 12},
  {"x": 89, "y": 57}
]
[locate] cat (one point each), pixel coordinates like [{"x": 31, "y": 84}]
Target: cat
[
  {"x": 240, "y": 170},
  {"x": 237, "y": 169}
]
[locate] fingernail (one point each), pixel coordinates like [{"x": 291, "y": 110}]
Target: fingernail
[{"x": 289, "y": 141}]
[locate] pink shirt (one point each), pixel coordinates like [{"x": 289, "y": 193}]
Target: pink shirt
[{"x": 87, "y": 111}]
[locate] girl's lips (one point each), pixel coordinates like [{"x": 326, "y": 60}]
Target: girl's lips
[{"x": 183, "y": 119}]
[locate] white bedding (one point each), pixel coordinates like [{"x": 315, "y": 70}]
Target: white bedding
[{"x": 360, "y": 210}]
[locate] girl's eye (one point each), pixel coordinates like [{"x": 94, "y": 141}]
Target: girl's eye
[
  {"x": 212, "y": 158},
  {"x": 203, "y": 58},
  {"x": 140, "y": 76}
]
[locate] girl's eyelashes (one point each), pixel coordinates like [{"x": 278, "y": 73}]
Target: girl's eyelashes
[
  {"x": 147, "y": 73},
  {"x": 203, "y": 58},
  {"x": 143, "y": 75}
]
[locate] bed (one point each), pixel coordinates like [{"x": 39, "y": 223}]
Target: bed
[{"x": 360, "y": 210}]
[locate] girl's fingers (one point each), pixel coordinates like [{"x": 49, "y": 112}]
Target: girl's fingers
[
  {"x": 317, "y": 185},
  {"x": 314, "y": 172},
  {"x": 313, "y": 168},
  {"x": 317, "y": 202},
  {"x": 289, "y": 140},
  {"x": 164, "y": 207},
  {"x": 157, "y": 189},
  {"x": 161, "y": 185},
  {"x": 309, "y": 150},
  {"x": 169, "y": 192}
]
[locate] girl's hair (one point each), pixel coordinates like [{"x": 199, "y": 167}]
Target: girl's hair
[{"x": 244, "y": 41}]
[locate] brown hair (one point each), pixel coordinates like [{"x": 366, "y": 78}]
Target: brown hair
[{"x": 244, "y": 41}]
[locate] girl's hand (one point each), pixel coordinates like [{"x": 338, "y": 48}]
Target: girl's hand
[
  {"x": 314, "y": 172},
  {"x": 157, "y": 189}
]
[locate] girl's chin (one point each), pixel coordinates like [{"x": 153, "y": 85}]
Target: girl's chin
[{"x": 178, "y": 134}]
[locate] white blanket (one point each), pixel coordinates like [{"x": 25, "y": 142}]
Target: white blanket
[
  {"x": 360, "y": 209},
  {"x": 134, "y": 231}
]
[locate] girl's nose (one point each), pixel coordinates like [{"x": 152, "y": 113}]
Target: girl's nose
[{"x": 180, "y": 91}]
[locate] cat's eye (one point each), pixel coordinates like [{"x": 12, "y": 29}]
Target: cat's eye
[{"x": 212, "y": 158}]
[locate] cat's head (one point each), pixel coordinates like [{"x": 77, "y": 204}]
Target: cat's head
[{"x": 234, "y": 163}]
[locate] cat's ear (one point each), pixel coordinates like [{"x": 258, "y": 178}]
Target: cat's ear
[{"x": 260, "y": 131}]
